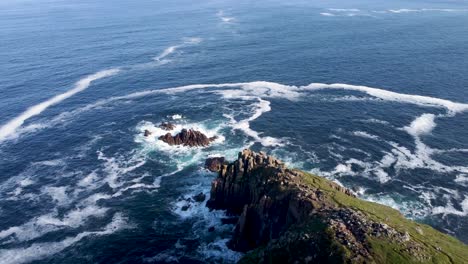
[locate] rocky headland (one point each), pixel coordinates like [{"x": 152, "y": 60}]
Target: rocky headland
[{"x": 289, "y": 216}]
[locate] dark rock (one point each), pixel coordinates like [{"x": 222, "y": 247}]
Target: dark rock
[
  {"x": 147, "y": 133},
  {"x": 211, "y": 229},
  {"x": 167, "y": 126},
  {"x": 185, "y": 207},
  {"x": 199, "y": 197},
  {"x": 229, "y": 221},
  {"x": 214, "y": 164},
  {"x": 294, "y": 217},
  {"x": 190, "y": 138}
]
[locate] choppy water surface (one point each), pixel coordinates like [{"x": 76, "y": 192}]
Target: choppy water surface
[{"x": 371, "y": 95}]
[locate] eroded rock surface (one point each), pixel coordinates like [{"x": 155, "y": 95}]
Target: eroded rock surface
[
  {"x": 290, "y": 216},
  {"x": 167, "y": 126},
  {"x": 214, "y": 164},
  {"x": 188, "y": 137}
]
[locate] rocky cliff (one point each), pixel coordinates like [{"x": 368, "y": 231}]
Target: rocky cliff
[{"x": 289, "y": 216}]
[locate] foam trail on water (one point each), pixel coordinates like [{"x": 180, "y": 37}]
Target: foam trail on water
[
  {"x": 344, "y": 9},
  {"x": 261, "y": 107},
  {"x": 8, "y": 129},
  {"x": 262, "y": 89},
  {"x": 406, "y": 10},
  {"x": 168, "y": 51},
  {"x": 394, "y": 96},
  {"x": 364, "y": 135}
]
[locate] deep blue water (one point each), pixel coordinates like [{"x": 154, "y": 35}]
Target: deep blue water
[{"x": 81, "y": 80}]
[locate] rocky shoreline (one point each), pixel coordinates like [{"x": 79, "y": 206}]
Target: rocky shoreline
[{"x": 289, "y": 216}]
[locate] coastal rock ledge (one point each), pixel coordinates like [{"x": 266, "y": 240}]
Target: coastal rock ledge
[{"x": 289, "y": 216}]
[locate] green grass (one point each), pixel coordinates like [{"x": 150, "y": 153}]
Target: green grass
[{"x": 440, "y": 248}]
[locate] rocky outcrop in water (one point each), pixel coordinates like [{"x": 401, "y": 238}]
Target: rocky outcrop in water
[
  {"x": 147, "y": 133},
  {"x": 214, "y": 164},
  {"x": 199, "y": 197},
  {"x": 167, "y": 126},
  {"x": 190, "y": 138},
  {"x": 289, "y": 216}
]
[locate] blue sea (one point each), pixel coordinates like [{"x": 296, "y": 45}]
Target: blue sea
[{"x": 370, "y": 94}]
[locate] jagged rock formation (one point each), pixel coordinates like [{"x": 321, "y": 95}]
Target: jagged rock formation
[
  {"x": 214, "y": 164},
  {"x": 288, "y": 216},
  {"x": 167, "y": 126},
  {"x": 190, "y": 138}
]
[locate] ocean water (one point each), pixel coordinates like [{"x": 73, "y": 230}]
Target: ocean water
[{"x": 371, "y": 94}]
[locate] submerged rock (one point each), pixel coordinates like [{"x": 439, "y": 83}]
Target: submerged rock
[
  {"x": 190, "y": 138},
  {"x": 167, "y": 126},
  {"x": 290, "y": 216},
  {"x": 214, "y": 164},
  {"x": 147, "y": 133},
  {"x": 199, "y": 197}
]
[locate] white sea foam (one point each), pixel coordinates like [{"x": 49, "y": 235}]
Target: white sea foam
[
  {"x": 261, "y": 89},
  {"x": 343, "y": 169},
  {"x": 408, "y": 208},
  {"x": 214, "y": 250},
  {"x": 422, "y": 125},
  {"x": 116, "y": 167},
  {"x": 89, "y": 180},
  {"x": 58, "y": 194},
  {"x": 38, "y": 251},
  {"x": 401, "y": 158},
  {"x": 25, "y": 182},
  {"x": 377, "y": 121},
  {"x": 365, "y": 135},
  {"x": 275, "y": 90},
  {"x": 40, "y": 225},
  {"x": 139, "y": 187},
  {"x": 462, "y": 179},
  {"x": 344, "y": 9},
  {"x": 225, "y": 19},
  {"x": 394, "y": 96},
  {"x": 406, "y": 10},
  {"x": 350, "y": 98},
  {"x": 450, "y": 209},
  {"x": 261, "y": 107},
  {"x": 8, "y": 129},
  {"x": 52, "y": 163},
  {"x": 168, "y": 51},
  {"x": 218, "y": 250},
  {"x": 176, "y": 117},
  {"x": 345, "y": 12}
]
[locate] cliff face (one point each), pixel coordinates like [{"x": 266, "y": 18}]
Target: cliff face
[{"x": 288, "y": 216}]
